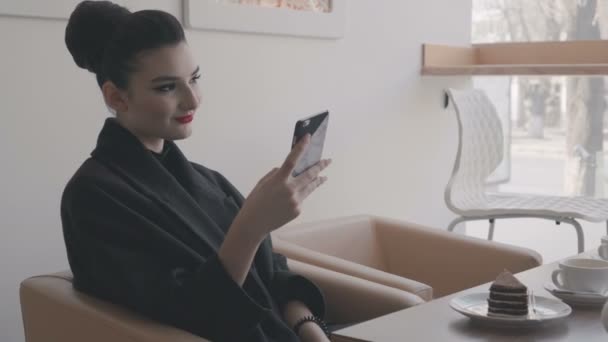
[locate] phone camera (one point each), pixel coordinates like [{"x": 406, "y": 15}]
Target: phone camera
[{"x": 306, "y": 123}]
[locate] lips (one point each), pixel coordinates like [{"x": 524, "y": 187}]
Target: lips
[{"x": 185, "y": 119}]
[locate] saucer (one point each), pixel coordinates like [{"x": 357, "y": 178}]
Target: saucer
[
  {"x": 475, "y": 306},
  {"x": 577, "y": 298}
]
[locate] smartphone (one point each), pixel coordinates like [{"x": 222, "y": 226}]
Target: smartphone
[{"x": 316, "y": 126}]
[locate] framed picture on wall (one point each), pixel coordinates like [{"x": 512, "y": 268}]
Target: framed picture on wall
[
  {"x": 307, "y": 18},
  {"x": 61, "y": 9}
]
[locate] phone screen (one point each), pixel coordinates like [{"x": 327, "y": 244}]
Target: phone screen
[{"x": 316, "y": 126}]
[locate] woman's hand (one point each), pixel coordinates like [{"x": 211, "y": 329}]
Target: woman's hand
[
  {"x": 277, "y": 197},
  {"x": 273, "y": 202},
  {"x": 311, "y": 332}
]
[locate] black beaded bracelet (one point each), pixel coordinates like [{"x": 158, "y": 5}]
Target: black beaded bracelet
[{"x": 316, "y": 320}]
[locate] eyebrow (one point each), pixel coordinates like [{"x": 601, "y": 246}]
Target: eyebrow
[{"x": 173, "y": 78}]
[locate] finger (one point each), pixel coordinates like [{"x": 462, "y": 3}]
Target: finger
[
  {"x": 292, "y": 158},
  {"x": 268, "y": 175},
  {"x": 324, "y": 163},
  {"x": 312, "y": 173},
  {"x": 312, "y": 186}
]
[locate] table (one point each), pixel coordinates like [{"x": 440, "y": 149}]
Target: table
[{"x": 436, "y": 321}]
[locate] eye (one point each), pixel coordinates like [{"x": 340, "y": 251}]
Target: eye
[
  {"x": 165, "y": 87},
  {"x": 195, "y": 78}
]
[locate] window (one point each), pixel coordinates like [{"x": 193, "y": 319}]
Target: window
[{"x": 555, "y": 127}]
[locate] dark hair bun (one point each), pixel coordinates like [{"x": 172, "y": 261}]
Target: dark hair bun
[{"x": 89, "y": 30}]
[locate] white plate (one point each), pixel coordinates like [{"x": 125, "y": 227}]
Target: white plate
[
  {"x": 576, "y": 298},
  {"x": 475, "y": 306}
]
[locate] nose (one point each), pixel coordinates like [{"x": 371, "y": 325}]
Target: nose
[{"x": 190, "y": 99}]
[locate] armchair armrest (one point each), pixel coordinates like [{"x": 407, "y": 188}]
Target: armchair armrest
[
  {"x": 350, "y": 299},
  {"x": 337, "y": 264},
  {"x": 53, "y": 311},
  {"x": 447, "y": 261},
  {"x": 428, "y": 262}
]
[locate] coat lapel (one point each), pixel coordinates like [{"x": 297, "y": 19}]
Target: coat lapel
[{"x": 127, "y": 156}]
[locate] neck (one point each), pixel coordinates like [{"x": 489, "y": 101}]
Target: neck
[{"x": 154, "y": 144}]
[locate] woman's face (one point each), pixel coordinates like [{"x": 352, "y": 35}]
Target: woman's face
[{"x": 162, "y": 96}]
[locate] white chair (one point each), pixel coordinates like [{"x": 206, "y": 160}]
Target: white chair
[{"x": 480, "y": 151}]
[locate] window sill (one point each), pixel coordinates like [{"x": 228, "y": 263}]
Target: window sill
[{"x": 534, "y": 58}]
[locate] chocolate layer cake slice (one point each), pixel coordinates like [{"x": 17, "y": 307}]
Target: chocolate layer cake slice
[{"x": 508, "y": 296}]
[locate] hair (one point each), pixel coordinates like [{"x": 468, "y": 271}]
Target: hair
[{"x": 106, "y": 38}]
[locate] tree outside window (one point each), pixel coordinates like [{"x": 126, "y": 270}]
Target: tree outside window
[{"x": 554, "y": 123}]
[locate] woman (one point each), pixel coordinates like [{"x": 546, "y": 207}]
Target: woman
[{"x": 174, "y": 240}]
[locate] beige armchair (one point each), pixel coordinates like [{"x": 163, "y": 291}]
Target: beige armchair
[
  {"x": 54, "y": 312},
  {"x": 366, "y": 267},
  {"x": 427, "y": 262}
]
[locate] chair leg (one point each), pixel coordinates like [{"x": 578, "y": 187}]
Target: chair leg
[
  {"x": 579, "y": 233},
  {"x": 454, "y": 222},
  {"x": 577, "y": 226},
  {"x": 491, "y": 230}
]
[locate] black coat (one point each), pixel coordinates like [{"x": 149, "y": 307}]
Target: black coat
[{"x": 143, "y": 231}]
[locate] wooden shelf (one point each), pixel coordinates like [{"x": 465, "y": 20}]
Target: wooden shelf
[
  {"x": 535, "y": 58},
  {"x": 521, "y": 69}
]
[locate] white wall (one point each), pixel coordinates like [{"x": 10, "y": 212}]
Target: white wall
[{"x": 392, "y": 143}]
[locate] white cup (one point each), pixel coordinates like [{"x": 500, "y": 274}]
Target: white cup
[
  {"x": 582, "y": 275},
  {"x": 602, "y": 250}
]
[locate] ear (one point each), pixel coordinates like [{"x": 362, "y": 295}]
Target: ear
[{"x": 115, "y": 97}]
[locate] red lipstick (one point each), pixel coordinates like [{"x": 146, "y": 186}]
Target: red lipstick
[{"x": 185, "y": 119}]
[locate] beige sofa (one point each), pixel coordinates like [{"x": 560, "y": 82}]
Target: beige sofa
[{"x": 425, "y": 261}]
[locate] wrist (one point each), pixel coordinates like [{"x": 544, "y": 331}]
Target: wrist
[
  {"x": 310, "y": 331},
  {"x": 237, "y": 253},
  {"x": 311, "y": 328},
  {"x": 245, "y": 235}
]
